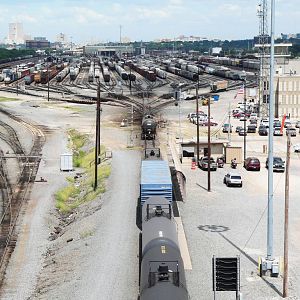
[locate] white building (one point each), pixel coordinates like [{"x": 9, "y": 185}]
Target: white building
[
  {"x": 15, "y": 33},
  {"x": 62, "y": 38},
  {"x": 287, "y": 95}
]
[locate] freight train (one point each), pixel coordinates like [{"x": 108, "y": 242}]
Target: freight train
[
  {"x": 91, "y": 72},
  {"x": 62, "y": 74},
  {"x": 148, "y": 128},
  {"x": 74, "y": 71},
  {"x": 234, "y": 62},
  {"x": 184, "y": 73},
  {"x": 142, "y": 70},
  {"x": 121, "y": 72},
  {"x": 106, "y": 75},
  {"x": 224, "y": 72},
  {"x": 162, "y": 273}
]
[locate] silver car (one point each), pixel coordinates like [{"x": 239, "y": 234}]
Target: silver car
[{"x": 233, "y": 179}]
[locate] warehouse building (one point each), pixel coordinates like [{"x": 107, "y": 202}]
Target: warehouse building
[{"x": 109, "y": 50}]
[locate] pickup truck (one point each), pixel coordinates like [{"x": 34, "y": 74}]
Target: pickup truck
[{"x": 203, "y": 164}]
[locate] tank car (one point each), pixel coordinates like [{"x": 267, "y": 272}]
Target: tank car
[
  {"x": 106, "y": 75},
  {"x": 162, "y": 271},
  {"x": 121, "y": 72},
  {"x": 148, "y": 128},
  {"x": 160, "y": 73}
]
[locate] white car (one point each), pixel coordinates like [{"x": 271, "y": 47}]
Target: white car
[
  {"x": 253, "y": 116},
  {"x": 297, "y": 148},
  {"x": 233, "y": 179},
  {"x": 264, "y": 122}
]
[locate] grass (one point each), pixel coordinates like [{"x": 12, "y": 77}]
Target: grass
[
  {"x": 73, "y": 108},
  {"x": 5, "y": 99},
  {"x": 71, "y": 197}
]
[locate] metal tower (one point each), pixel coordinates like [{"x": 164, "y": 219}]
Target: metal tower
[{"x": 264, "y": 54}]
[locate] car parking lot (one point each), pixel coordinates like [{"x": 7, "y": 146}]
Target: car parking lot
[{"x": 230, "y": 221}]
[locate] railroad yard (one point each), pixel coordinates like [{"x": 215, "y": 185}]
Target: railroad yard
[{"x": 88, "y": 246}]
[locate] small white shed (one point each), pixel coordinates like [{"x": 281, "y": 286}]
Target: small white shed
[{"x": 66, "y": 162}]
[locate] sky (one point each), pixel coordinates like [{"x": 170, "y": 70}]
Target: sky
[{"x": 100, "y": 20}]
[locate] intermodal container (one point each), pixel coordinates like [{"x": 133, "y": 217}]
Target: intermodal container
[{"x": 155, "y": 180}]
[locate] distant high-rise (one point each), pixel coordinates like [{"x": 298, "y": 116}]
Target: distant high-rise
[
  {"x": 15, "y": 33},
  {"x": 62, "y": 38}
]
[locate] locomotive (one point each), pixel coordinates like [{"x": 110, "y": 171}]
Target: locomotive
[{"x": 148, "y": 128}]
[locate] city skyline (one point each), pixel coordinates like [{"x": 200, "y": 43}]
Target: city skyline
[{"x": 144, "y": 20}]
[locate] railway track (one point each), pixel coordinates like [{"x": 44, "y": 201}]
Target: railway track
[{"x": 18, "y": 194}]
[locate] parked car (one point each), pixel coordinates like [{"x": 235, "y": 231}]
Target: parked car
[
  {"x": 253, "y": 116},
  {"x": 252, "y": 163},
  {"x": 262, "y": 130},
  {"x": 203, "y": 163},
  {"x": 291, "y": 131},
  {"x": 220, "y": 161},
  {"x": 232, "y": 179},
  {"x": 278, "y": 164},
  {"x": 264, "y": 122},
  {"x": 287, "y": 123},
  {"x": 297, "y": 148},
  {"x": 242, "y": 132},
  {"x": 297, "y": 124},
  {"x": 243, "y": 117},
  {"x": 253, "y": 122},
  {"x": 277, "y": 124},
  {"x": 206, "y": 123},
  {"x": 277, "y": 131},
  {"x": 251, "y": 128},
  {"x": 238, "y": 128},
  {"x": 227, "y": 128}
]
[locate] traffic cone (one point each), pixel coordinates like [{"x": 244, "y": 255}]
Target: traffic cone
[{"x": 193, "y": 165}]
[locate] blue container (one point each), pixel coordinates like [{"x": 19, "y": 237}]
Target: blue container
[
  {"x": 155, "y": 180},
  {"x": 216, "y": 97}
]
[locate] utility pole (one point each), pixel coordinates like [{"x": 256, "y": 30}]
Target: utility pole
[
  {"x": 208, "y": 148},
  {"x": 130, "y": 79},
  {"x": 97, "y": 146},
  {"x": 99, "y": 122},
  {"x": 48, "y": 79},
  {"x": 245, "y": 96},
  {"x": 197, "y": 111},
  {"x": 286, "y": 219},
  {"x": 229, "y": 121}
]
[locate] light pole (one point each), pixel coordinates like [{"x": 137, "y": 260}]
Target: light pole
[
  {"x": 270, "y": 263},
  {"x": 245, "y": 96}
]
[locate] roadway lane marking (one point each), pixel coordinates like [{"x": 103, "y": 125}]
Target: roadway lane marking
[{"x": 183, "y": 245}]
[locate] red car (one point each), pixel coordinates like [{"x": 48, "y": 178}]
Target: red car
[
  {"x": 211, "y": 123},
  {"x": 252, "y": 163}
]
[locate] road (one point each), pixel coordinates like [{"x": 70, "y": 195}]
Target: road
[{"x": 112, "y": 271}]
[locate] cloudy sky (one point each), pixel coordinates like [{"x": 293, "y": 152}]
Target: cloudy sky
[{"x": 87, "y": 20}]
